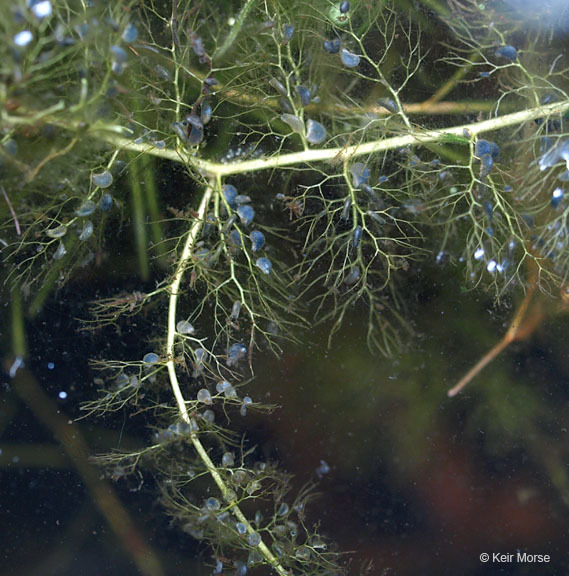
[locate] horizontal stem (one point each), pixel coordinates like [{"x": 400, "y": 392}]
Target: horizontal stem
[{"x": 218, "y": 170}]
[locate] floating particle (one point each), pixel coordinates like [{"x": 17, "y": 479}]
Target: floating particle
[
  {"x": 230, "y": 193},
  {"x": 236, "y": 352},
  {"x": 304, "y": 94},
  {"x": 58, "y": 232},
  {"x": 23, "y": 38},
  {"x": 87, "y": 208},
  {"x": 353, "y": 277},
  {"x": 323, "y": 469},
  {"x": 86, "y": 231},
  {"x": 389, "y": 104},
  {"x": 349, "y": 59},
  {"x": 60, "y": 252},
  {"x": 357, "y": 237},
  {"x": 130, "y": 33},
  {"x": 278, "y": 87},
  {"x": 246, "y": 214},
  {"x": 294, "y": 122},
  {"x": 150, "y": 358},
  {"x": 50, "y": 365},
  {"x": 332, "y": 46},
  {"x": 241, "y": 528},
  {"x": 556, "y": 198},
  {"x": 254, "y": 539},
  {"x": 344, "y": 7},
  {"x": 257, "y": 240},
  {"x": 360, "y": 174},
  {"x": 40, "y": 9},
  {"x": 507, "y": 52},
  {"x": 264, "y": 264},
  {"x": 315, "y": 132},
  {"x": 62, "y": 395},
  {"x": 204, "y": 396},
  {"x": 479, "y": 253},
  {"x": 484, "y": 74},
  {"x": 184, "y": 327},
  {"x": 102, "y": 179},
  {"x": 288, "y": 31}
]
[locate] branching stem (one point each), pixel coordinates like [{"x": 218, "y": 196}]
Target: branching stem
[{"x": 175, "y": 384}]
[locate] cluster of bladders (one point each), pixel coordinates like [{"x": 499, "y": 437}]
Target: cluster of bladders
[
  {"x": 86, "y": 208},
  {"x": 239, "y": 209},
  {"x": 552, "y": 154}
]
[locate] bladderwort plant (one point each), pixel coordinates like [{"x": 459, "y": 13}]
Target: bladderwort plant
[{"x": 279, "y": 163}]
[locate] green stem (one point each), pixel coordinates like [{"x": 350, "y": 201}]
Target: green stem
[
  {"x": 174, "y": 290},
  {"x": 415, "y": 138},
  {"x": 139, "y": 216}
]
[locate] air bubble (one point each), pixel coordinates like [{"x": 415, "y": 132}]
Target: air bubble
[
  {"x": 204, "y": 396},
  {"x": 23, "y": 38},
  {"x": 86, "y": 231},
  {"x": 332, "y": 46},
  {"x": 294, "y": 122},
  {"x": 102, "y": 179},
  {"x": 130, "y": 33},
  {"x": 257, "y": 240},
  {"x": 507, "y": 52},
  {"x": 184, "y": 327},
  {"x": 315, "y": 132},
  {"x": 304, "y": 94},
  {"x": 87, "y": 208},
  {"x": 236, "y": 352},
  {"x": 246, "y": 214},
  {"x": 227, "y": 460},
  {"x": 58, "y": 232},
  {"x": 360, "y": 174},
  {"x": 556, "y": 197},
  {"x": 150, "y": 358},
  {"x": 241, "y": 528},
  {"x": 264, "y": 264},
  {"x": 349, "y": 59}
]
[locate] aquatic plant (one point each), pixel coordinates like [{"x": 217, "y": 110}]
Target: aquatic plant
[{"x": 303, "y": 178}]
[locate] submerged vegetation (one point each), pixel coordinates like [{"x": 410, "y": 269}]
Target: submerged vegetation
[{"x": 278, "y": 164}]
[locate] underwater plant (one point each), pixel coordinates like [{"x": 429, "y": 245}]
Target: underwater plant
[{"x": 274, "y": 165}]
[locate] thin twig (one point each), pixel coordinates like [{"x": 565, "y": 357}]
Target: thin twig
[{"x": 12, "y": 211}]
